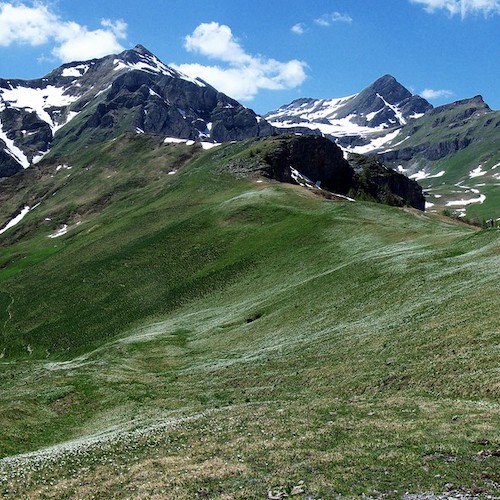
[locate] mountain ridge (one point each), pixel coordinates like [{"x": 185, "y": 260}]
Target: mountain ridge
[
  {"x": 455, "y": 142},
  {"x": 132, "y": 91},
  {"x": 353, "y": 121}
]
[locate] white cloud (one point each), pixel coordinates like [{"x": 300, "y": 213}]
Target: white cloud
[
  {"x": 298, "y": 29},
  {"x": 335, "y": 17},
  {"x": 243, "y": 75},
  {"x": 217, "y": 42},
  {"x": 78, "y": 43},
  {"x": 462, "y": 7},
  {"x": 23, "y": 24},
  {"x": 432, "y": 94},
  {"x": 37, "y": 25}
]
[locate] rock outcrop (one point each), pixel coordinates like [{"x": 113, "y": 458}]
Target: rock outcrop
[{"x": 320, "y": 163}]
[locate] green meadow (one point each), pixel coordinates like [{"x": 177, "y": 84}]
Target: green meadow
[{"x": 199, "y": 332}]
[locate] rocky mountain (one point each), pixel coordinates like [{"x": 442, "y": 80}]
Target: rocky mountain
[
  {"x": 360, "y": 122},
  {"x": 84, "y": 102},
  {"x": 452, "y": 151}
]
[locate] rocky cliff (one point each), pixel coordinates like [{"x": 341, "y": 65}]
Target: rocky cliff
[{"x": 320, "y": 164}]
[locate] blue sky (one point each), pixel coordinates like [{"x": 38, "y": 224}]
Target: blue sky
[{"x": 267, "y": 53}]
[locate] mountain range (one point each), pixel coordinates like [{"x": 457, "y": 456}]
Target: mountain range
[
  {"x": 452, "y": 150},
  {"x": 44, "y": 122},
  {"x": 457, "y": 143},
  {"x": 196, "y": 303}
]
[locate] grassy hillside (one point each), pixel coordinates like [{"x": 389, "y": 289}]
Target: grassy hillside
[
  {"x": 457, "y": 147},
  {"x": 210, "y": 334}
]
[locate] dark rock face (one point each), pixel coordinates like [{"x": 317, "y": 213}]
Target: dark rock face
[
  {"x": 173, "y": 107},
  {"x": 322, "y": 162},
  {"x": 316, "y": 158},
  {"x": 8, "y": 165},
  {"x": 132, "y": 91},
  {"x": 430, "y": 152},
  {"x": 373, "y": 179}
]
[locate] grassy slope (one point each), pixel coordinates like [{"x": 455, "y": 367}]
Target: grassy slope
[
  {"x": 482, "y": 129},
  {"x": 351, "y": 346}
]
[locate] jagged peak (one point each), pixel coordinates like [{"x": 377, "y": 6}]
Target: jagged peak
[
  {"x": 387, "y": 84},
  {"x": 142, "y": 50}
]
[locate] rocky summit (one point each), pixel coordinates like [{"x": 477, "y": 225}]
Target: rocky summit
[
  {"x": 85, "y": 102},
  {"x": 358, "y": 121}
]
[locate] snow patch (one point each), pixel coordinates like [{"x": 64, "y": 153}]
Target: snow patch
[
  {"x": 18, "y": 218},
  {"x": 395, "y": 109},
  {"x": 477, "y": 172},
  {"x": 64, "y": 166},
  {"x": 209, "y": 145},
  {"x": 337, "y": 127},
  {"x": 13, "y": 150},
  {"x": 76, "y": 71},
  {"x": 174, "y": 140},
  {"x": 463, "y": 202},
  {"x": 37, "y": 100},
  {"x": 439, "y": 174},
  {"x": 59, "y": 232},
  {"x": 300, "y": 179},
  {"x": 375, "y": 143},
  {"x": 422, "y": 174},
  {"x": 67, "y": 72},
  {"x": 397, "y": 144},
  {"x": 371, "y": 116},
  {"x": 190, "y": 142}
]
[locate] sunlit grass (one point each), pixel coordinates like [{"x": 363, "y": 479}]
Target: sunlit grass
[{"x": 211, "y": 335}]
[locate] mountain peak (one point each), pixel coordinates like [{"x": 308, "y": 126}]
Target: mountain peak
[
  {"x": 464, "y": 108},
  {"x": 131, "y": 91},
  {"x": 142, "y": 50},
  {"x": 354, "y": 121},
  {"x": 390, "y": 88},
  {"x": 479, "y": 101},
  {"x": 386, "y": 78}
]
